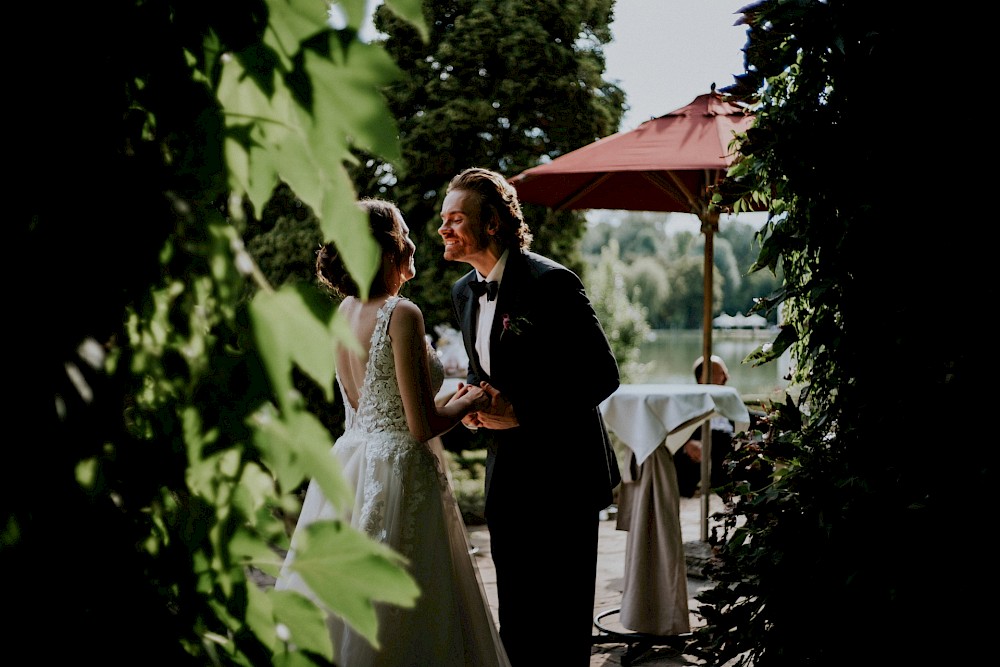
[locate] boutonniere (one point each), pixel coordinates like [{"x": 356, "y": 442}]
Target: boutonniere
[{"x": 515, "y": 325}]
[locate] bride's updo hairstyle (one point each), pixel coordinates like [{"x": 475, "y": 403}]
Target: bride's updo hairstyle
[{"x": 383, "y": 221}]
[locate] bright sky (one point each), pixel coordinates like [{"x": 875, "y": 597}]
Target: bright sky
[
  {"x": 667, "y": 52},
  {"x": 664, "y": 54}
]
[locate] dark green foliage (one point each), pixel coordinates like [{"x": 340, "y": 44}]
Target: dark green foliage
[
  {"x": 847, "y": 556},
  {"x": 100, "y": 205},
  {"x": 285, "y": 241},
  {"x": 139, "y": 490}
]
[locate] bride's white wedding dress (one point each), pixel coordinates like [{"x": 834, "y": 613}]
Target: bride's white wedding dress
[{"x": 403, "y": 499}]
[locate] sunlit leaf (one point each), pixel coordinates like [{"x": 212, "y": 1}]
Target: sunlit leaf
[
  {"x": 412, "y": 12},
  {"x": 236, "y": 148},
  {"x": 348, "y": 14},
  {"x": 348, "y": 97},
  {"x": 203, "y": 475},
  {"x": 260, "y": 616},
  {"x": 297, "y": 166},
  {"x": 328, "y": 549},
  {"x": 256, "y": 126},
  {"x": 247, "y": 548},
  {"x": 304, "y": 622},
  {"x": 288, "y": 329},
  {"x": 294, "y": 21},
  {"x": 256, "y": 487},
  {"x": 297, "y": 446},
  {"x": 347, "y": 226}
]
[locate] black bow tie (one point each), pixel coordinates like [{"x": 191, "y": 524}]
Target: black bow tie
[{"x": 481, "y": 287}]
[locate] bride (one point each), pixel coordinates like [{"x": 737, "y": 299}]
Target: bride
[{"x": 402, "y": 496}]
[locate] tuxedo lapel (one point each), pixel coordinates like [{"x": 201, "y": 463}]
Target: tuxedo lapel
[{"x": 468, "y": 307}]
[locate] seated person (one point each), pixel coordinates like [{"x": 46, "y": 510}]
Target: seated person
[{"x": 687, "y": 459}]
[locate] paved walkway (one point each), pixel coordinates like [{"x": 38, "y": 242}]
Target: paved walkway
[
  {"x": 610, "y": 649},
  {"x": 610, "y": 570}
]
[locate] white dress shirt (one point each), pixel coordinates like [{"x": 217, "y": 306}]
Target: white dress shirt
[{"x": 487, "y": 311}]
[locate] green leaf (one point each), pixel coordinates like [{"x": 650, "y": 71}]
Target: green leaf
[
  {"x": 260, "y": 616},
  {"x": 288, "y": 329},
  {"x": 236, "y": 148},
  {"x": 203, "y": 476},
  {"x": 344, "y": 223},
  {"x": 349, "y": 99},
  {"x": 297, "y": 165},
  {"x": 304, "y": 621},
  {"x": 412, "y": 12},
  {"x": 328, "y": 550},
  {"x": 247, "y": 548},
  {"x": 256, "y": 125},
  {"x": 296, "y": 446},
  {"x": 256, "y": 487},
  {"x": 349, "y": 14},
  {"x": 294, "y": 21}
]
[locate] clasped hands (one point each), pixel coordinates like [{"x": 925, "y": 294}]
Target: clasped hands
[{"x": 497, "y": 415}]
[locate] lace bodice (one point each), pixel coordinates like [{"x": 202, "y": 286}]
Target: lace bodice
[
  {"x": 394, "y": 458},
  {"x": 380, "y": 406}
]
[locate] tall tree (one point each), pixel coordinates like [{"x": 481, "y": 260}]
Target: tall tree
[
  {"x": 501, "y": 84},
  {"x": 687, "y": 291},
  {"x": 648, "y": 277},
  {"x": 624, "y": 320}
]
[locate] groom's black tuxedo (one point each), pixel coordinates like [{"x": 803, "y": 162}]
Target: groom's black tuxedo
[{"x": 548, "y": 478}]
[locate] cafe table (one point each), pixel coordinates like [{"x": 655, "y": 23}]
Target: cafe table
[
  {"x": 647, "y": 416},
  {"x": 653, "y": 421}
]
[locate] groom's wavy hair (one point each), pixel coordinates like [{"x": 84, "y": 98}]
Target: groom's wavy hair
[
  {"x": 383, "y": 221},
  {"x": 497, "y": 197}
]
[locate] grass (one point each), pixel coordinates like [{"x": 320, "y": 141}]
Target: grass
[{"x": 468, "y": 478}]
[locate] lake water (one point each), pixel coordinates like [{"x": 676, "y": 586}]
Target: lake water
[{"x": 672, "y": 353}]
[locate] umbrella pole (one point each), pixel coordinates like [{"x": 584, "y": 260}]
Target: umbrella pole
[{"x": 709, "y": 225}]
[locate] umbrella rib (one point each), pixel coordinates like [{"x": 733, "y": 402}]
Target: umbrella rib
[
  {"x": 582, "y": 192},
  {"x": 675, "y": 189}
]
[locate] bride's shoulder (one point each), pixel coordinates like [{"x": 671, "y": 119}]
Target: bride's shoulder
[
  {"x": 406, "y": 319},
  {"x": 406, "y": 310}
]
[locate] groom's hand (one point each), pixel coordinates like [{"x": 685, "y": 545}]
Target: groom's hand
[{"x": 500, "y": 414}]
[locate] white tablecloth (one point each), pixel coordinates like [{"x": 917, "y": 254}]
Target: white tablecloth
[{"x": 645, "y": 416}]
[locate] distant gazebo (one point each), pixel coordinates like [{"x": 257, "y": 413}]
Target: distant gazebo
[{"x": 739, "y": 321}]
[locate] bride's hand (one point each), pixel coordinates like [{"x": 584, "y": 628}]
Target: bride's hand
[
  {"x": 475, "y": 398},
  {"x": 478, "y": 399}
]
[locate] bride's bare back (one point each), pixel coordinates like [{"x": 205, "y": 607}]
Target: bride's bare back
[{"x": 406, "y": 333}]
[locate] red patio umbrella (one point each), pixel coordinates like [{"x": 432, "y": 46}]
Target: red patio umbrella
[{"x": 669, "y": 163}]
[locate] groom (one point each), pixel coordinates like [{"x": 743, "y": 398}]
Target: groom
[{"x": 531, "y": 332}]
